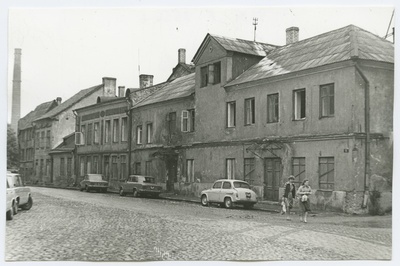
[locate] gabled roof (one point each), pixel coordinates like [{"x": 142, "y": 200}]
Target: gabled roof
[
  {"x": 26, "y": 121},
  {"x": 331, "y": 47},
  {"x": 71, "y": 102},
  {"x": 180, "y": 70},
  {"x": 178, "y": 88},
  {"x": 67, "y": 145},
  {"x": 236, "y": 45}
]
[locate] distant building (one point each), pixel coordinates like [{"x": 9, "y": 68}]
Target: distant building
[{"x": 63, "y": 162}]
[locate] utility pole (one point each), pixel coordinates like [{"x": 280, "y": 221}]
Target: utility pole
[{"x": 255, "y": 22}]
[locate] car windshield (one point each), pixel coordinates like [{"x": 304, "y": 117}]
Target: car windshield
[
  {"x": 95, "y": 178},
  {"x": 149, "y": 180},
  {"x": 237, "y": 184}
]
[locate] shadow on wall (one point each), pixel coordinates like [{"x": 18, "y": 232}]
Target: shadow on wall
[{"x": 380, "y": 195}]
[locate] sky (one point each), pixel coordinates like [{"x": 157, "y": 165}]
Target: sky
[{"x": 65, "y": 50}]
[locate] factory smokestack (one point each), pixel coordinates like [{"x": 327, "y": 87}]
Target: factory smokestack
[{"x": 16, "y": 92}]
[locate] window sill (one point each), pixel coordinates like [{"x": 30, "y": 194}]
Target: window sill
[
  {"x": 322, "y": 117},
  {"x": 275, "y": 122},
  {"x": 249, "y": 125},
  {"x": 300, "y": 119}
]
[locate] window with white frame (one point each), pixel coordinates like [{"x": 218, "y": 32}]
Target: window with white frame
[
  {"x": 139, "y": 132},
  {"x": 327, "y": 100},
  {"x": 187, "y": 122},
  {"x": 230, "y": 168},
  {"x": 231, "y": 114},
  {"x": 249, "y": 111},
  {"x": 299, "y": 104}
]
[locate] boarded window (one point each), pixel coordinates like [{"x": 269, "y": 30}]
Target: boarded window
[
  {"x": 273, "y": 108},
  {"x": 326, "y": 172},
  {"x": 327, "y": 100},
  {"x": 249, "y": 170}
]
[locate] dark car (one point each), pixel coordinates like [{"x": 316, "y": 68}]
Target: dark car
[
  {"x": 94, "y": 182},
  {"x": 140, "y": 185}
]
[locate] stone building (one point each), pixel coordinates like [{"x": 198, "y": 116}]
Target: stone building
[{"x": 63, "y": 163}]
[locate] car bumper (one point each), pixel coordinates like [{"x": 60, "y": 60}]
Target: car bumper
[
  {"x": 97, "y": 187},
  {"x": 245, "y": 201},
  {"x": 149, "y": 191}
]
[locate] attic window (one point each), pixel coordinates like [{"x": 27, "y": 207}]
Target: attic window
[{"x": 210, "y": 74}]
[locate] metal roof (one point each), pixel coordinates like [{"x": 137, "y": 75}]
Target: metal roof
[
  {"x": 26, "y": 121},
  {"x": 331, "y": 47},
  {"x": 178, "y": 88}
]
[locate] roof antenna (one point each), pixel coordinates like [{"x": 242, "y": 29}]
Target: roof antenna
[
  {"x": 387, "y": 32},
  {"x": 255, "y": 23}
]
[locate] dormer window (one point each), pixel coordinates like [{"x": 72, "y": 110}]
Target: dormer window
[{"x": 210, "y": 74}]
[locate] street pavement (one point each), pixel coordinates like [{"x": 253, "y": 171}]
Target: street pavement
[{"x": 69, "y": 225}]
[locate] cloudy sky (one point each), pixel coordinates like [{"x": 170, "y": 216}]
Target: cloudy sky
[{"x": 65, "y": 50}]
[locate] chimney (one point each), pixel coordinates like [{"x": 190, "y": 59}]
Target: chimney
[
  {"x": 145, "y": 81},
  {"x": 16, "y": 92},
  {"x": 292, "y": 35},
  {"x": 59, "y": 100},
  {"x": 109, "y": 86},
  {"x": 121, "y": 91},
  {"x": 181, "y": 56}
]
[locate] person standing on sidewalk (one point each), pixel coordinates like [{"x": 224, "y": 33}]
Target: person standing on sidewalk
[
  {"x": 289, "y": 195},
  {"x": 304, "y": 193}
]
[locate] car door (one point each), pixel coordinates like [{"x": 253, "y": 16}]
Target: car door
[
  {"x": 226, "y": 190},
  {"x": 24, "y": 191},
  {"x": 213, "y": 194}
]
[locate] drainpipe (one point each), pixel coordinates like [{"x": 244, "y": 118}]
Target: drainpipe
[
  {"x": 75, "y": 152},
  {"x": 129, "y": 113},
  {"x": 367, "y": 135}
]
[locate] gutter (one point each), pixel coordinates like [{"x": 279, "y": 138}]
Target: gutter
[{"x": 367, "y": 171}]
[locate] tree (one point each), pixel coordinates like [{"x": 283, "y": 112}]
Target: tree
[{"x": 12, "y": 148}]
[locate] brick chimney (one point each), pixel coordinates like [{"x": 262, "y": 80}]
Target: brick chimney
[
  {"x": 181, "y": 56},
  {"x": 109, "y": 86},
  {"x": 145, "y": 81},
  {"x": 292, "y": 35},
  {"x": 59, "y": 100},
  {"x": 16, "y": 91},
  {"x": 121, "y": 91}
]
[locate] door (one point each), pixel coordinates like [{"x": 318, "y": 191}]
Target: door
[
  {"x": 272, "y": 178},
  {"x": 171, "y": 165},
  {"x": 213, "y": 194}
]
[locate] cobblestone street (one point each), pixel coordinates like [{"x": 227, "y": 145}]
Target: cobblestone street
[{"x": 70, "y": 225}]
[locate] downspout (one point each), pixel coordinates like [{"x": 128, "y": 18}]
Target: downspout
[
  {"x": 75, "y": 151},
  {"x": 129, "y": 113},
  {"x": 367, "y": 171}
]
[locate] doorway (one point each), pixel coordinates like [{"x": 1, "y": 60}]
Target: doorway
[
  {"x": 272, "y": 178},
  {"x": 171, "y": 165}
]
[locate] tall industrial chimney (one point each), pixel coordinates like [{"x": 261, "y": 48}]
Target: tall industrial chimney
[{"x": 16, "y": 92}]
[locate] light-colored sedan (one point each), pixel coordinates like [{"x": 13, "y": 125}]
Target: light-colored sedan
[
  {"x": 140, "y": 185},
  {"x": 12, "y": 205},
  {"x": 229, "y": 192},
  {"x": 94, "y": 182},
  {"x": 22, "y": 193}
]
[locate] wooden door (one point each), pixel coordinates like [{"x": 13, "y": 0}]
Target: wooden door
[{"x": 272, "y": 177}]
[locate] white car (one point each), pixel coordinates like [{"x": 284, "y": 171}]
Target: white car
[
  {"x": 229, "y": 192},
  {"x": 11, "y": 204},
  {"x": 22, "y": 193}
]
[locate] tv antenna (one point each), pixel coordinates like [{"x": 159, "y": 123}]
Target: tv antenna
[{"x": 255, "y": 23}]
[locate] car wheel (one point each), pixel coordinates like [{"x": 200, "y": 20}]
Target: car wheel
[
  {"x": 121, "y": 192},
  {"x": 135, "y": 193},
  {"x": 15, "y": 208},
  {"x": 228, "y": 203},
  {"x": 248, "y": 206},
  {"x": 9, "y": 215},
  {"x": 204, "y": 200},
  {"x": 28, "y": 205}
]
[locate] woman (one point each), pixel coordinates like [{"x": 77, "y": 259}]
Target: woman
[
  {"x": 288, "y": 196},
  {"x": 304, "y": 193}
]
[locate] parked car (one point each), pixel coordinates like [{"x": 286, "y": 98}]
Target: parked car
[
  {"x": 140, "y": 185},
  {"x": 229, "y": 193},
  {"x": 94, "y": 182},
  {"x": 11, "y": 202},
  {"x": 22, "y": 193}
]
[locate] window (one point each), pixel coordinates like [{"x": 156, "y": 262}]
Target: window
[
  {"x": 62, "y": 167},
  {"x": 192, "y": 116},
  {"x": 41, "y": 167},
  {"x": 249, "y": 170},
  {"x": 231, "y": 114},
  {"x": 204, "y": 76},
  {"x": 96, "y": 129},
  {"x": 95, "y": 167},
  {"x": 249, "y": 111},
  {"x": 326, "y": 172},
  {"x": 227, "y": 185},
  {"x": 299, "y": 104},
  {"x": 89, "y": 165},
  {"x": 149, "y": 133},
  {"x": 89, "y": 134},
  {"x": 190, "y": 170},
  {"x": 114, "y": 167},
  {"x": 106, "y": 171},
  {"x": 124, "y": 129},
  {"x": 327, "y": 100},
  {"x": 48, "y": 139},
  {"x": 139, "y": 135},
  {"x": 217, "y": 184},
  {"x": 107, "y": 131},
  {"x": 42, "y": 140},
  {"x": 298, "y": 170},
  {"x": 172, "y": 122},
  {"x": 148, "y": 168},
  {"x": 138, "y": 168},
  {"x": 83, "y": 131},
  {"x": 69, "y": 167},
  {"x": 210, "y": 74},
  {"x": 82, "y": 166},
  {"x": 115, "y": 130},
  {"x": 230, "y": 168},
  {"x": 187, "y": 123},
  {"x": 273, "y": 108},
  {"x": 47, "y": 167},
  {"x": 37, "y": 140},
  {"x": 123, "y": 167}
]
